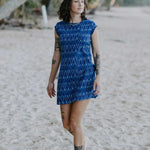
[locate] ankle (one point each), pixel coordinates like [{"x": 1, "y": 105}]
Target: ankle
[{"x": 78, "y": 147}]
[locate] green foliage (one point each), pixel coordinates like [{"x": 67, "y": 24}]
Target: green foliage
[
  {"x": 91, "y": 1},
  {"x": 32, "y": 4},
  {"x": 25, "y": 10},
  {"x": 56, "y": 4}
]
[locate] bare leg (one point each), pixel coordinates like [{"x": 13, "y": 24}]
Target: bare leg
[
  {"x": 65, "y": 115},
  {"x": 77, "y": 111}
]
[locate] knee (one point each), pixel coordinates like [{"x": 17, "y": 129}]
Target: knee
[
  {"x": 75, "y": 126},
  {"x": 66, "y": 126}
]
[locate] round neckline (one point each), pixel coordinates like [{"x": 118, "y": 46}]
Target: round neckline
[{"x": 75, "y": 23}]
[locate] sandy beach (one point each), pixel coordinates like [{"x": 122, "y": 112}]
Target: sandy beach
[{"x": 119, "y": 119}]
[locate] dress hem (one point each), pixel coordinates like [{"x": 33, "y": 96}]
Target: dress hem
[{"x": 86, "y": 98}]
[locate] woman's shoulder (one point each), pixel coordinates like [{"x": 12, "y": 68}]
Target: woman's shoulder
[
  {"x": 91, "y": 25},
  {"x": 89, "y": 21},
  {"x": 59, "y": 25},
  {"x": 59, "y": 22}
]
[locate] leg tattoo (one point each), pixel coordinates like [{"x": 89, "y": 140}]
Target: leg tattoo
[
  {"x": 78, "y": 147},
  {"x": 62, "y": 116}
]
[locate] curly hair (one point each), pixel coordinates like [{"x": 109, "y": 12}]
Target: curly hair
[{"x": 64, "y": 10}]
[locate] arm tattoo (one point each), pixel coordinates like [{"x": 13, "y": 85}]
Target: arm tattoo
[
  {"x": 56, "y": 48},
  {"x": 96, "y": 60},
  {"x": 97, "y": 63},
  {"x": 57, "y": 44},
  {"x": 53, "y": 61}
]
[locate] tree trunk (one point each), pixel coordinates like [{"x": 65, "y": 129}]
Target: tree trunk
[
  {"x": 51, "y": 8},
  {"x": 9, "y": 7}
]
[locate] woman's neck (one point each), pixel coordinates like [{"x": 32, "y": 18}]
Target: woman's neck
[{"x": 75, "y": 18}]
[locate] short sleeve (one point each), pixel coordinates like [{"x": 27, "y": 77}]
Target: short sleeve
[
  {"x": 57, "y": 28},
  {"x": 93, "y": 25}
]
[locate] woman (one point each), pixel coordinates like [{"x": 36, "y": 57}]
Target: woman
[{"x": 77, "y": 82}]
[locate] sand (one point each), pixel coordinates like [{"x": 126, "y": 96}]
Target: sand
[{"x": 119, "y": 119}]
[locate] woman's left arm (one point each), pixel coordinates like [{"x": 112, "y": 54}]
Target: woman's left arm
[{"x": 96, "y": 54}]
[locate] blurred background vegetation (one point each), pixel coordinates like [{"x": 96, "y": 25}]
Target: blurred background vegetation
[
  {"x": 30, "y": 9},
  {"x": 34, "y": 6}
]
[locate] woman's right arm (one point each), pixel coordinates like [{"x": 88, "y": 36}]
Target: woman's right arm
[
  {"x": 54, "y": 67},
  {"x": 56, "y": 59}
]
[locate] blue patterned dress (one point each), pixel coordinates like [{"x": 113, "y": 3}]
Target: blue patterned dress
[{"x": 77, "y": 71}]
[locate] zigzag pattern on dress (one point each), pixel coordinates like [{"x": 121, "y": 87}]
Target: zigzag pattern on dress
[{"x": 77, "y": 71}]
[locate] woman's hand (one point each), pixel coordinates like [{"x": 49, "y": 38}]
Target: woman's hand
[
  {"x": 97, "y": 84},
  {"x": 50, "y": 89}
]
